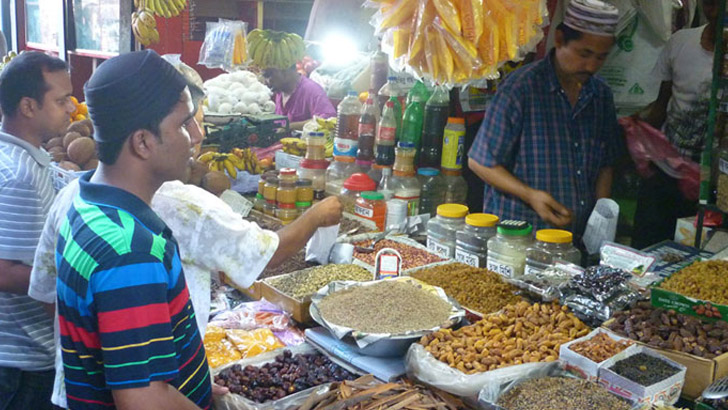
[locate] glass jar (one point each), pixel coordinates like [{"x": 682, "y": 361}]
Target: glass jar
[
  {"x": 270, "y": 189},
  {"x": 287, "y": 178},
  {"x": 270, "y": 208},
  {"x": 353, "y": 187},
  {"x": 261, "y": 186},
  {"x": 315, "y": 171},
  {"x": 471, "y": 242},
  {"x": 304, "y": 190},
  {"x": 337, "y": 173},
  {"x": 551, "y": 245},
  {"x": 371, "y": 206},
  {"x": 507, "y": 249},
  {"x": 259, "y": 203},
  {"x": 315, "y": 146},
  {"x": 287, "y": 213},
  {"x": 302, "y": 207},
  {"x": 432, "y": 190},
  {"x": 442, "y": 228}
]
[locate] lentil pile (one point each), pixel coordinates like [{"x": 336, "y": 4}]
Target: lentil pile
[
  {"x": 600, "y": 347},
  {"x": 303, "y": 284},
  {"x": 644, "y": 369},
  {"x": 669, "y": 330},
  {"x": 286, "y": 375},
  {"x": 411, "y": 257},
  {"x": 475, "y": 288},
  {"x": 522, "y": 333},
  {"x": 706, "y": 280},
  {"x": 385, "y": 307},
  {"x": 560, "y": 393}
]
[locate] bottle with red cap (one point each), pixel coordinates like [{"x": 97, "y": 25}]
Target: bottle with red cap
[
  {"x": 386, "y": 136},
  {"x": 367, "y": 134},
  {"x": 353, "y": 188}
]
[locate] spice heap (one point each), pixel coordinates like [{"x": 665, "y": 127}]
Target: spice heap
[
  {"x": 600, "y": 347},
  {"x": 644, "y": 369},
  {"x": 293, "y": 264},
  {"x": 522, "y": 333},
  {"x": 475, "y": 288},
  {"x": 286, "y": 375},
  {"x": 669, "y": 330},
  {"x": 303, "y": 284},
  {"x": 368, "y": 393},
  {"x": 706, "y": 280},
  {"x": 385, "y": 307},
  {"x": 560, "y": 393},
  {"x": 411, "y": 257}
]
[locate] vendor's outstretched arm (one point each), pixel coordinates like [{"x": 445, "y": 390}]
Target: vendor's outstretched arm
[
  {"x": 294, "y": 236},
  {"x": 542, "y": 202},
  {"x": 604, "y": 182}
]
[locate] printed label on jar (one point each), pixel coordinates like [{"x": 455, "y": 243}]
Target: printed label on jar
[
  {"x": 387, "y": 133},
  {"x": 413, "y": 204},
  {"x": 365, "y": 212},
  {"x": 439, "y": 249},
  {"x": 467, "y": 258},
  {"x": 723, "y": 166},
  {"x": 345, "y": 147},
  {"x": 501, "y": 269},
  {"x": 453, "y": 149}
]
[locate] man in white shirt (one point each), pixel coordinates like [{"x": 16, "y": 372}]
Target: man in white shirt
[{"x": 685, "y": 67}]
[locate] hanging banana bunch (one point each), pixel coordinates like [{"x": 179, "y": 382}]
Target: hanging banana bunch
[
  {"x": 275, "y": 49},
  {"x": 143, "y": 23}
]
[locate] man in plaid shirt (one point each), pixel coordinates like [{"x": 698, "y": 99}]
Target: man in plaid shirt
[{"x": 550, "y": 135}]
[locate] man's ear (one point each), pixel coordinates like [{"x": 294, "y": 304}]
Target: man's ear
[
  {"x": 558, "y": 39},
  {"x": 142, "y": 144},
  {"x": 27, "y": 107}
]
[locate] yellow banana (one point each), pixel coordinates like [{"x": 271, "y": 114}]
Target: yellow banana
[
  {"x": 147, "y": 18},
  {"x": 230, "y": 168},
  {"x": 299, "y": 48},
  {"x": 206, "y": 157},
  {"x": 260, "y": 51},
  {"x": 287, "y": 58}
]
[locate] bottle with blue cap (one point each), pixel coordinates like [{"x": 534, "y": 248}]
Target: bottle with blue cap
[{"x": 432, "y": 190}]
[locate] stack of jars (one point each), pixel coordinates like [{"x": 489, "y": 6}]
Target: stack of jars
[{"x": 281, "y": 194}]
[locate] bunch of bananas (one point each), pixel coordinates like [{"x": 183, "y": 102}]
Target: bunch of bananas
[
  {"x": 222, "y": 162},
  {"x": 162, "y": 8},
  {"x": 275, "y": 49},
  {"x": 145, "y": 27},
  {"x": 255, "y": 160},
  {"x": 294, "y": 146}
]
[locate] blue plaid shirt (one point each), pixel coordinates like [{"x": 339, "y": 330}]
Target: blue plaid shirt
[{"x": 531, "y": 129}]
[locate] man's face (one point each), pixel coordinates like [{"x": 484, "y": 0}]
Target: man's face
[
  {"x": 582, "y": 58},
  {"x": 54, "y": 113},
  {"x": 174, "y": 155},
  {"x": 274, "y": 78}
]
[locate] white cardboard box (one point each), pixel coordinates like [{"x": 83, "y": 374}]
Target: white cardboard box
[
  {"x": 667, "y": 391},
  {"x": 585, "y": 367}
]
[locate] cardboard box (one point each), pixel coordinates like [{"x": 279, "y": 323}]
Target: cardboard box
[
  {"x": 685, "y": 232},
  {"x": 585, "y": 367},
  {"x": 297, "y": 308},
  {"x": 667, "y": 391},
  {"x": 252, "y": 292},
  {"x": 686, "y": 305}
]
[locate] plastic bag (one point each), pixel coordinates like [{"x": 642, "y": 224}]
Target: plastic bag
[
  {"x": 225, "y": 45},
  {"x": 253, "y": 342},
  {"x": 253, "y": 315},
  {"x": 424, "y": 367},
  {"x": 646, "y": 144},
  {"x": 218, "y": 348}
]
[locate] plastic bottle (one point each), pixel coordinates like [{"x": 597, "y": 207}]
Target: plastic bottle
[
  {"x": 370, "y": 205},
  {"x": 406, "y": 185},
  {"x": 386, "y": 186},
  {"x": 367, "y": 133},
  {"x": 456, "y": 187},
  {"x": 397, "y": 116},
  {"x": 384, "y": 149},
  {"x": 432, "y": 192},
  {"x": 380, "y": 71},
  {"x": 391, "y": 89},
  {"x": 412, "y": 122},
  {"x": 347, "y": 126},
  {"x": 418, "y": 91},
  {"x": 435, "y": 119},
  {"x": 337, "y": 173},
  {"x": 453, "y": 143}
]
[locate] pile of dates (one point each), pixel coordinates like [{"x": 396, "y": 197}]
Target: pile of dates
[{"x": 286, "y": 375}]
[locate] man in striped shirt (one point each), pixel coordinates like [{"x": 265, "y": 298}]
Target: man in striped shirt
[
  {"x": 128, "y": 331},
  {"x": 35, "y": 91}
]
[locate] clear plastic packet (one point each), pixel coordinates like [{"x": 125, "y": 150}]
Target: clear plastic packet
[
  {"x": 239, "y": 54},
  {"x": 449, "y": 14},
  {"x": 399, "y": 13},
  {"x": 463, "y": 52},
  {"x": 253, "y": 315},
  {"x": 506, "y": 22},
  {"x": 216, "y": 50}
]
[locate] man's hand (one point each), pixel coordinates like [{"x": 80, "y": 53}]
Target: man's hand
[
  {"x": 327, "y": 212},
  {"x": 549, "y": 209},
  {"x": 218, "y": 390}
]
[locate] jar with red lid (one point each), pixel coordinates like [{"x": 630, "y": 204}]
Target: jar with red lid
[
  {"x": 370, "y": 205},
  {"x": 287, "y": 178},
  {"x": 315, "y": 170},
  {"x": 287, "y": 213},
  {"x": 353, "y": 187}
]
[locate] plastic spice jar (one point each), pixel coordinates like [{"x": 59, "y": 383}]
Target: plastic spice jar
[
  {"x": 551, "y": 245},
  {"x": 259, "y": 203},
  {"x": 507, "y": 249},
  {"x": 302, "y": 207},
  {"x": 442, "y": 228},
  {"x": 371, "y": 206},
  {"x": 287, "y": 178},
  {"x": 270, "y": 208},
  {"x": 261, "y": 186},
  {"x": 287, "y": 213},
  {"x": 270, "y": 189},
  {"x": 353, "y": 187},
  {"x": 315, "y": 146},
  {"x": 315, "y": 171},
  {"x": 304, "y": 190},
  {"x": 471, "y": 241}
]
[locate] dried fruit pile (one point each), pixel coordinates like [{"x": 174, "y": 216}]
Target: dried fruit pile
[
  {"x": 600, "y": 347},
  {"x": 706, "y": 280}
]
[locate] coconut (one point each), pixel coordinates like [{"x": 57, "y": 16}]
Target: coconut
[
  {"x": 57, "y": 153},
  {"x": 69, "y": 166},
  {"x": 91, "y": 164},
  {"x": 54, "y": 142},
  {"x": 81, "y": 150},
  {"x": 70, "y": 137},
  {"x": 215, "y": 182}
]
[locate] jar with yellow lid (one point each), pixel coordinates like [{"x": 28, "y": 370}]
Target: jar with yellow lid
[
  {"x": 442, "y": 228},
  {"x": 551, "y": 245},
  {"x": 471, "y": 241}
]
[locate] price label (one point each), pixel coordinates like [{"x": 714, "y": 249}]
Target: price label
[
  {"x": 388, "y": 266},
  {"x": 467, "y": 258},
  {"x": 501, "y": 269},
  {"x": 439, "y": 249},
  {"x": 365, "y": 212}
]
